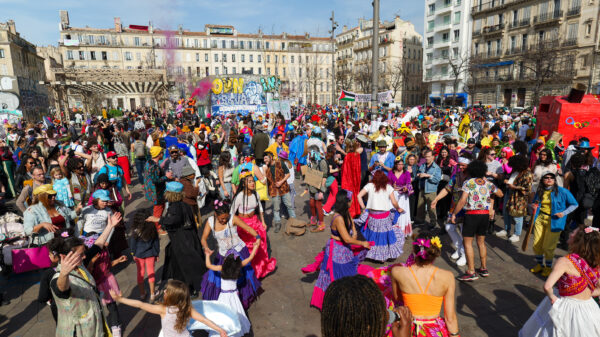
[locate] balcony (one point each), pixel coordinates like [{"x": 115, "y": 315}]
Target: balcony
[
  {"x": 490, "y": 6},
  {"x": 570, "y": 42},
  {"x": 492, "y": 54},
  {"x": 476, "y": 33},
  {"x": 550, "y": 17},
  {"x": 518, "y": 24},
  {"x": 431, "y": 13},
  {"x": 516, "y": 50},
  {"x": 444, "y": 26},
  {"x": 495, "y": 78},
  {"x": 445, "y": 9},
  {"x": 574, "y": 11},
  {"x": 493, "y": 30}
]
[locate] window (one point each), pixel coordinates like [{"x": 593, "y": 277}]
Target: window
[
  {"x": 232, "y": 57},
  {"x": 431, "y": 9},
  {"x": 82, "y": 55},
  {"x": 457, "y": 17},
  {"x": 216, "y": 70},
  {"x": 102, "y": 39},
  {"x": 92, "y": 55},
  {"x": 136, "y": 41},
  {"x": 299, "y": 72},
  {"x": 216, "y": 57},
  {"x": 116, "y": 56},
  {"x": 260, "y": 71},
  {"x": 446, "y": 19},
  {"x": 445, "y": 37},
  {"x": 138, "y": 56},
  {"x": 197, "y": 71},
  {"x": 206, "y": 71},
  {"x": 231, "y": 44},
  {"x": 267, "y": 45},
  {"x": 241, "y": 44},
  {"x": 444, "y": 70},
  {"x": 205, "y": 57},
  {"x": 524, "y": 41},
  {"x": 283, "y": 72},
  {"x": 205, "y": 45},
  {"x": 515, "y": 17},
  {"x": 292, "y": 59},
  {"x": 197, "y": 57},
  {"x": 269, "y": 71},
  {"x": 447, "y": 3},
  {"x": 233, "y": 71},
  {"x": 430, "y": 41},
  {"x": 249, "y": 44},
  {"x": 243, "y": 58},
  {"x": 91, "y": 39},
  {"x": 276, "y": 71},
  {"x": 223, "y": 44},
  {"x": 196, "y": 45},
  {"x": 282, "y": 45},
  {"x": 128, "y": 56},
  {"x": 268, "y": 58},
  {"x": 430, "y": 26},
  {"x": 300, "y": 59},
  {"x": 224, "y": 59},
  {"x": 224, "y": 70},
  {"x": 104, "y": 56},
  {"x": 456, "y": 35},
  {"x": 69, "y": 54},
  {"x": 283, "y": 59},
  {"x": 259, "y": 57},
  {"x": 257, "y": 44},
  {"x": 455, "y": 53},
  {"x": 251, "y": 58},
  {"x": 588, "y": 28}
]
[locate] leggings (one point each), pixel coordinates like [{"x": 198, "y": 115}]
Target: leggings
[
  {"x": 113, "y": 315},
  {"x": 143, "y": 265},
  {"x": 316, "y": 208}
]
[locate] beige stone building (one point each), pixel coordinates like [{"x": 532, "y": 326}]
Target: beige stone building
[
  {"x": 523, "y": 49},
  {"x": 21, "y": 69},
  {"x": 302, "y": 62},
  {"x": 400, "y": 58}
]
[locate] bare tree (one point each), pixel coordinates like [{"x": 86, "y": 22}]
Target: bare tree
[
  {"x": 458, "y": 66},
  {"x": 473, "y": 71},
  {"x": 363, "y": 77},
  {"x": 344, "y": 78},
  {"x": 396, "y": 79},
  {"x": 546, "y": 63}
]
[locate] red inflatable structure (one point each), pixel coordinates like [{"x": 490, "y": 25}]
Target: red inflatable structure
[{"x": 571, "y": 120}]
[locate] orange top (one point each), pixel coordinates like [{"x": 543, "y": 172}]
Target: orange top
[{"x": 422, "y": 304}]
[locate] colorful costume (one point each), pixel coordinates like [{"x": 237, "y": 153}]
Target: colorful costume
[
  {"x": 63, "y": 192},
  {"x": 403, "y": 183},
  {"x": 568, "y": 316},
  {"x": 351, "y": 180},
  {"x": 229, "y": 242},
  {"x": 339, "y": 260}
]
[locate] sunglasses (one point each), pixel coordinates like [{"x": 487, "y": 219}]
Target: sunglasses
[
  {"x": 549, "y": 178},
  {"x": 30, "y": 163}
]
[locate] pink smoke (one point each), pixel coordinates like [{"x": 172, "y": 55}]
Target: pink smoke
[{"x": 202, "y": 89}]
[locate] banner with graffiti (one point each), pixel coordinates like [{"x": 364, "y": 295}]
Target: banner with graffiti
[
  {"x": 283, "y": 107},
  {"x": 382, "y": 97},
  {"x": 242, "y": 94}
]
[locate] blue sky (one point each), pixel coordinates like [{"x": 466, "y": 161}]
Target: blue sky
[{"x": 37, "y": 20}]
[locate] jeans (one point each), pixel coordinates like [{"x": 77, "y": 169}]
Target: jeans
[
  {"x": 287, "y": 201},
  {"x": 292, "y": 195},
  {"x": 139, "y": 166},
  {"x": 227, "y": 187},
  {"x": 508, "y": 218}
]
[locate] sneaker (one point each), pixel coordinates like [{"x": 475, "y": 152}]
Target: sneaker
[
  {"x": 482, "y": 272},
  {"x": 514, "y": 238},
  {"x": 546, "y": 271},
  {"x": 538, "y": 268},
  {"x": 462, "y": 261},
  {"x": 277, "y": 226},
  {"x": 501, "y": 233},
  {"x": 328, "y": 213},
  {"x": 455, "y": 256},
  {"x": 467, "y": 277}
]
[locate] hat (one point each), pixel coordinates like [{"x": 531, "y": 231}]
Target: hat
[
  {"x": 174, "y": 186},
  {"x": 155, "y": 151},
  {"x": 471, "y": 141},
  {"x": 317, "y": 130},
  {"x": 544, "y": 133},
  {"x": 101, "y": 195},
  {"x": 259, "y": 127},
  {"x": 187, "y": 171},
  {"x": 102, "y": 178},
  {"x": 111, "y": 154},
  {"x": 409, "y": 143},
  {"x": 584, "y": 144},
  {"x": 173, "y": 148},
  {"x": 47, "y": 188},
  {"x": 283, "y": 154},
  {"x": 362, "y": 139},
  {"x": 549, "y": 173},
  {"x": 381, "y": 143}
]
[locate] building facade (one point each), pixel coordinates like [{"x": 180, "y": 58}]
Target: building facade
[
  {"x": 447, "y": 49},
  {"x": 400, "y": 60},
  {"x": 301, "y": 62},
  {"x": 525, "y": 49},
  {"x": 21, "y": 70}
]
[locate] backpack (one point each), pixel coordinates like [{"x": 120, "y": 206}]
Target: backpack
[
  {"x": 592, "y": 187},
  {"x": 140, "y": 149}
]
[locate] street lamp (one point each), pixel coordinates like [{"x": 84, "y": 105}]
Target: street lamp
[
  {"x": 375, "y": 52},
  {"x": 334, "y": 25}
]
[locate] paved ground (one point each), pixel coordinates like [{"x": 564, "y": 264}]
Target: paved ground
[{"x": 496, "y": 306}]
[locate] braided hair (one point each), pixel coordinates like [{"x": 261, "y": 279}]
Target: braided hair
[
  {"x": 353, "y": 306},
  {"x": 244, "y": 191}
]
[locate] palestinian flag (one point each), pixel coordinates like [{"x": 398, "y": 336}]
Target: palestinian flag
[{"x": 346, "y": 96}]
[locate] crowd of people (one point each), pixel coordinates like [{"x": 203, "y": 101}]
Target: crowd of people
[{"x": 382, "y": 180}]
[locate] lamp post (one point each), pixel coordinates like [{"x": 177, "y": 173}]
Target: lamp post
[
  {"x": 334, "y": 25},
  {"x": 375, "y": 52}
]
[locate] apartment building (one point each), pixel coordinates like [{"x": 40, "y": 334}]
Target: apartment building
[
  {"x": 302, "y": 62},
  {"x": 447, "y": 49},
  {"x": 21, "y": 69},
  {"x": 514, "y": 39},
  {"x": 400, "y": 60}
]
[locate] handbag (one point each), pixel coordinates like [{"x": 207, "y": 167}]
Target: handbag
[
  {"x": 30, "y": 258},
  {"x": 261, "y": 189}
]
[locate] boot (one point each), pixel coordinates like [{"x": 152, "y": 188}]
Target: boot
[
  {"x": 277, "y": 227},
  {"x": 538, "y": 268},
  {"x": 546, "y": 271}
]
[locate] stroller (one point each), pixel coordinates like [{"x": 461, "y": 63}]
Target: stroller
[{"x": 12, "y": 236}]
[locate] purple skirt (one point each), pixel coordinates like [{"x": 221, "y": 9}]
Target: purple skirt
[
  {"x": 343, "y": 263},
  {"x": 389, "y": 239},
  {"x": 248, "y": 285}
]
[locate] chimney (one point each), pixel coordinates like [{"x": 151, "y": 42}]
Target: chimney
[
  {"x": 11, "y": 27},
  {"x": 64, "y": 19},
  {"x": 118, "y": 26}
]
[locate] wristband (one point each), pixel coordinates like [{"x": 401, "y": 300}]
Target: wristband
[
  {"x": 257, "y": 237},
  {"x": 455, "y": 334}
]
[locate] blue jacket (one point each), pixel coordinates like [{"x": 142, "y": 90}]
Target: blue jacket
[
  {"x": 561, "y": 201},
  {"x": 143, "y": 249},
  {"x": 430, "y": 185}
]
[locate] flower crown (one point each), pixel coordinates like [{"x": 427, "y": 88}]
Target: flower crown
[{"x": 426, "y": 243}]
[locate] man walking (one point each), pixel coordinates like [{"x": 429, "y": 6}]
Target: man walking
[{"x": 429, "y": 175}]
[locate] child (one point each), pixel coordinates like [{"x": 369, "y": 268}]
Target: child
[
  {"x": 284, "y": 157},
  {"x": 175, "y": 311},
  {"x": 230, "y": 272},
  {"x": 62, "y": 187},
  {"x": 99, "y": 267},
  {"x": 145, "y": 247},
  {"x": 224, "y": 228}
]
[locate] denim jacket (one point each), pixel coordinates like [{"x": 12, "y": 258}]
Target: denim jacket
[
  {"x": 561, "y": 201},
  {"x": 36, "y": 214},
  {"x": 430, "y": 185}
]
